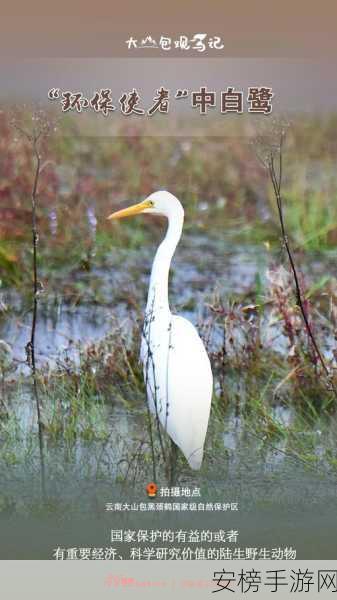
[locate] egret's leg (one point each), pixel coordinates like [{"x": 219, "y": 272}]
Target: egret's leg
[{"x": 173, "y": 459}]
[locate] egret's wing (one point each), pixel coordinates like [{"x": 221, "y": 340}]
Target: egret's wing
[{"x": 189, "y": 390}]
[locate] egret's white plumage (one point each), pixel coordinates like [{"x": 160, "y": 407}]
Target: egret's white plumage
[{"x": 177, "y": 370}]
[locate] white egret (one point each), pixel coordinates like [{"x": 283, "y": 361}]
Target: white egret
[{"x": 176, "y": 366}]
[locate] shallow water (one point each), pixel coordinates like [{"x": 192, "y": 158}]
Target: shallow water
[
  {"x": 199, "y": 267},
  {"x": 247, "y": 462}
]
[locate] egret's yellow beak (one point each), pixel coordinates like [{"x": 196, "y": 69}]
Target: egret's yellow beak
[{"x": 131, "y": 210}]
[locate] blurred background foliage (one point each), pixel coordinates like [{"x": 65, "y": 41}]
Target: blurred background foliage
[{"x": 222, "y": 185}]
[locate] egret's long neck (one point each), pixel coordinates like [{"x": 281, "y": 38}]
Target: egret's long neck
[{"x": 158, "y": 289}]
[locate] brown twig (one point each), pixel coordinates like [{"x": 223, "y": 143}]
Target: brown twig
[
  {"x": 34, "y": 139},
  {"x": 276, "y": 179},
  {"x": 35, "y": 240}
]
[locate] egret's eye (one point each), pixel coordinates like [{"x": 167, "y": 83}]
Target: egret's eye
[{"x": 151, "y": 203}]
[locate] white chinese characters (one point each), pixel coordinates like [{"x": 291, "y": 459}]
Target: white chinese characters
[{"x": 199, "y": 42}]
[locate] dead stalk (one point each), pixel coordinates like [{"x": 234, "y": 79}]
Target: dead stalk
[
  {"x": 275, "y": 174},
  {"x": 34, "y": 139}
]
